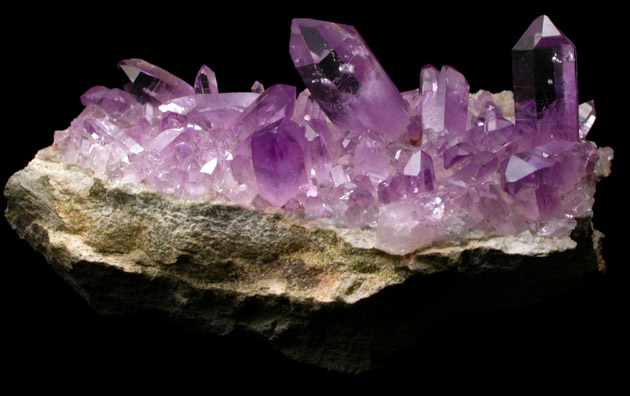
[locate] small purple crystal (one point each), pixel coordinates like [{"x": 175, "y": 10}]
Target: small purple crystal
[
  {"x": 587, "y": 115},
  {"x": 418, "y": 177},
  {"x": 206, "y": 81}
]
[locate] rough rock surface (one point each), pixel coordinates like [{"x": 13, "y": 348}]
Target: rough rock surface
[{"x": 309, "y": 289}]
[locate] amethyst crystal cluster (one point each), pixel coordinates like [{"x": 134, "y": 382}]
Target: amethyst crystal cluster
[{"x": 416, "y": 168}]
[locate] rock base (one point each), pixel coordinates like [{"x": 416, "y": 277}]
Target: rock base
[{"x": 309, "y": 291}]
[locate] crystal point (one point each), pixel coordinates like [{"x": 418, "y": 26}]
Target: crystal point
[
  {"x": 444, "y": 99},
  {"x": 345, "y": 78},
  {"x": 587, "y": 115},
  {"x": 274, "y": 104},
  {"x": 206, "y": 81},
  {"x": 278, "y": 161},
  {"x": 149, "y": 82},
  {"x": 544, "y": 76}
]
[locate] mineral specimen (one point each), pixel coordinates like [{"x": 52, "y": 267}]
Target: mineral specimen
[
  {"x": 272, "y": 212},
  {"x": 421, "y": 167}
]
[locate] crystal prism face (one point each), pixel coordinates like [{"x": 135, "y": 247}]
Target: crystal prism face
[
  {"x": 545, "y": 83},
  {"x": 430, "y": 165}
]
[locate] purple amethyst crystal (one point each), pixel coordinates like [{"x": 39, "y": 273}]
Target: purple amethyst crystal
[
  {"x": 424, "y": 166},
  {"x": 346, "y": 79},
  {"x": 545, "y": 82},
  {"x": 150, "y": 82},
  {"x": 278, "y": 161},
  {"x": 587, "y": 115},
  {"x": 274, "y": 104},
  {"x": 206, "y": 81},
  {"x": 418, "y": 177},
  {"x": 444, "y": 100}
]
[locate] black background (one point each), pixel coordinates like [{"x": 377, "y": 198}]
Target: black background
[{"x": 53, "y": 55}]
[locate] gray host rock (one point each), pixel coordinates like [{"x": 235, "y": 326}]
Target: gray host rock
[{"x": 317, "y": 293}]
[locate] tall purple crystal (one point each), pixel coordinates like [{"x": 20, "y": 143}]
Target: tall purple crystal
[
  {"x": 545, "y": 83},
  {"x": 345, "y": 78}
]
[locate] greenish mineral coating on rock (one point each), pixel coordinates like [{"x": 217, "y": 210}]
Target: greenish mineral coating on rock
[{"x": 307, "y": 287}]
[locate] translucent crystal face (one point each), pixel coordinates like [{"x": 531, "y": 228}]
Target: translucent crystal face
[{"x": 414, "y": 168}]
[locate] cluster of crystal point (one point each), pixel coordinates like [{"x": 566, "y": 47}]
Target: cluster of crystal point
[{"x": 417, "y": 168}]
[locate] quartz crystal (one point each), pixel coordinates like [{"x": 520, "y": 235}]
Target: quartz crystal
[
  {"x": 345, "y": 78},
  {"x": 545, "y": 82},
  {"x": 426, "y": 166}
]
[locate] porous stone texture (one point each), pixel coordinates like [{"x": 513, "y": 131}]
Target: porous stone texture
[{"x": 307, "y": 288}]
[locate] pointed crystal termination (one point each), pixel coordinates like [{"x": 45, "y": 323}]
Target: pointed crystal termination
[
  {"x": 444, "y": 99},
  {"x": 150, "y": 83},
  {"x": 278, "y": 161},
  {"x": 587, "y": 116},
  {"x": 544, "y": 77},
  {"x": 432, "y": 107},
  {"x": 272, "y": 105},
  {"x": 345, "y": 78},
  {"x": 206, "y": 81},
  {"x": 418, "y": 177},
  {"x": 257, "y": 87}
]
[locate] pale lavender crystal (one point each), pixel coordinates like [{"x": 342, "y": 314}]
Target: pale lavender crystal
[
  {"x": 407, "y": 225},
  {"x": 429, "y": 165},
  {"x": 418, "y": 176},
  {"x": 339, "y": 175},
  {"x": 206, "y": 81},
  {"x": 317, "y": 159},
  {"x": 457, "y": 153},
  {"x": 151, "y": 82},
  {"x": 549, "y": 174},
  {"x": 587, "y": 115},
  {"x": 257, "y": 87},
  {"x": 490, "y": 118},
  {"x": 433, "y": 100},
  {"x": 456, "y": 99},
  {"x": 274, "y": 104},
  {"x": 345, "y": 78},
  {"x": 523, "y": 168},
  {"x": 476, "y": 168},
  {"x": 444, "y": 100},
  {"x": 545, "y": 83},
  {"x": 371, "y": 158},
  {"x": 278, "y": 161},
  {"x": 119, "y": 105},
  {"x": 203, "y": 103}
]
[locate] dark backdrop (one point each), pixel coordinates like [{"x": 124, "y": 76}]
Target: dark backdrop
[{"x": 53, "y": 55}]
